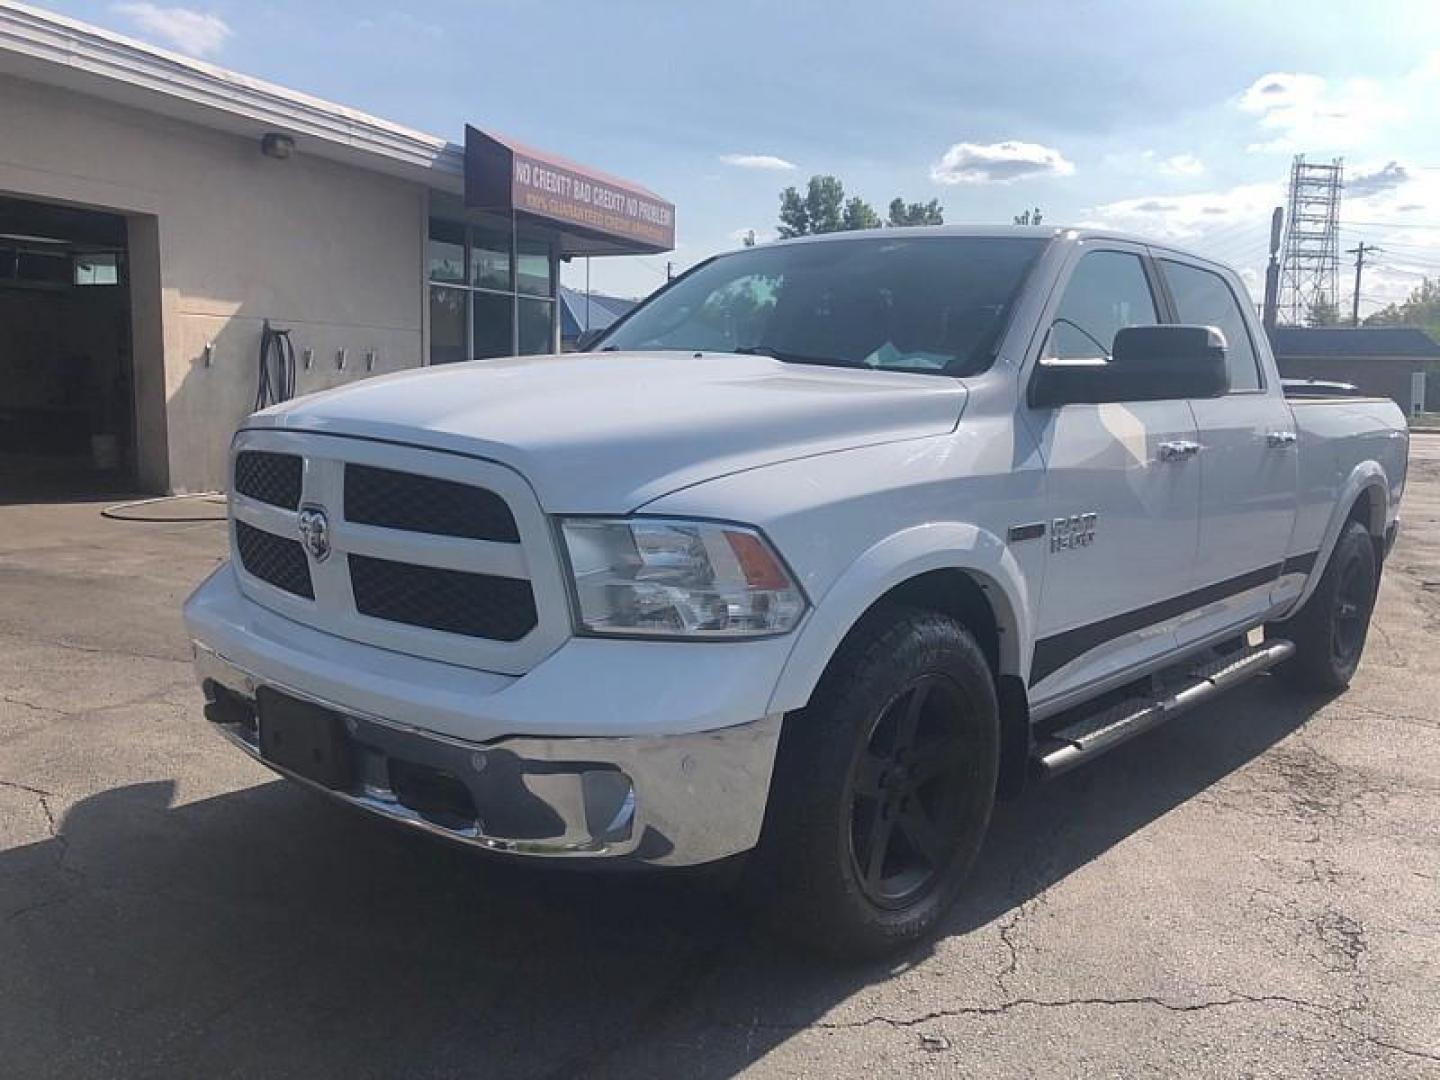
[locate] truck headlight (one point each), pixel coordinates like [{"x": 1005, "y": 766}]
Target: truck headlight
[{"x": 656, "y": 577}]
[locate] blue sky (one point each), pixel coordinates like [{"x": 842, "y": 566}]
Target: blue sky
[{"x": 1170, "y": 119}]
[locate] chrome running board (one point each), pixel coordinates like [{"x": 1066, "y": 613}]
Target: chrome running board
[{"x": 1090, "y": 736}]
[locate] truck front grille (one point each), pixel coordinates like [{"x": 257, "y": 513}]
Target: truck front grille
[
  {"x": 426, "y": 504},
  {"x": 457, "y": 602},
  {"x": 270, "y": 478},
  {"x": 417, "y": 551},
  {"x": 275, "y": 560}
]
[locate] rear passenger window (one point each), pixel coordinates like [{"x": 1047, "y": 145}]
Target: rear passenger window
[
  {"x": 1106, "y": 293},
  {"x": 1205, "y": 299}
]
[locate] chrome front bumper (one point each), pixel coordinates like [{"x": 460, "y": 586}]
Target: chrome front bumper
[{"x": 668, "y": 800}]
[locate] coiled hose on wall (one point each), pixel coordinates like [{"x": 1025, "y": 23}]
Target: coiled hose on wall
[{"x": 276, "y": 379}]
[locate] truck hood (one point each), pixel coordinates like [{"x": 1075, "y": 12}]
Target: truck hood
[{"x": 609, "y": 432}]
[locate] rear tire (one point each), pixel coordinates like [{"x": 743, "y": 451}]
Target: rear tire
[
  {"x": 1329, "y": 631},
  {"x": 883, "y": 788}
]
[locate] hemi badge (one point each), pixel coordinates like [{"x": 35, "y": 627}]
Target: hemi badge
[{"x": 1026, "y": 532}]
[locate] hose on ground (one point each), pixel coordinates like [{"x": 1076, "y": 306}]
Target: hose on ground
[{"x": 118, "y": 512}]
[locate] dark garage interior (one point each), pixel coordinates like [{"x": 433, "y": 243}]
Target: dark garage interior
[{"x": 66, "y": 401}]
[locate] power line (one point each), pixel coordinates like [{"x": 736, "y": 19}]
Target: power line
[
  {"x": 1427, "y": 270},
  {"x": 1226, "y": 235},
  {"x": 1385, "y": 233},
  {"x": 1251, "y": 250},
  {"x": 1397, "y": 224},
  {"x": 1431, "y": 249}
]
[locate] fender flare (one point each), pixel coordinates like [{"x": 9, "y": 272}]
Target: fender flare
[
  {"x": 1366, "y": 476},
  {"x": 890, "y": 562}
]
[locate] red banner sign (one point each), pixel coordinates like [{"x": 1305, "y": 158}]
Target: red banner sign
[{"x": 500, "y": 174}]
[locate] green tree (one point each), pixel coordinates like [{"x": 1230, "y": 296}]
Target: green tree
[
  {"x": 1421, "y": 308},
  {"x": 903, "y": 213},
  {"x": 794, "y": 216},
  {"x": 1322, "y": 312},
  {"x": 824, "y": 200},
  {"x": 859, "y": 214},
  {"x": 818, "y": 210},
  {"x": 822, "y": 208}
]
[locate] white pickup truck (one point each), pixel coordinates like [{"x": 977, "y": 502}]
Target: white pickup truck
[{"x": 827, "y": 545}]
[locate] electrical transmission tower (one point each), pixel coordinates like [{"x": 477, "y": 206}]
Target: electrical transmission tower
[{"x": 1310, "y": 265}]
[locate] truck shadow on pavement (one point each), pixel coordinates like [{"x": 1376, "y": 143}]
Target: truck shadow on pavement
[{"x": 268, "y": 933}]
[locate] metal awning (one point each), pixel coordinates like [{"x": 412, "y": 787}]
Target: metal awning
[{"x": 594, "y": 213}]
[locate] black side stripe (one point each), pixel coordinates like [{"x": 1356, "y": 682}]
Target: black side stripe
[
  {"x": 1300, "y": 564},
  {"x": 1054, "y": 652}
]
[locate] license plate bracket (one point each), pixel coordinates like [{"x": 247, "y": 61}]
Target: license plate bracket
[{"x": 304, "y": 738}]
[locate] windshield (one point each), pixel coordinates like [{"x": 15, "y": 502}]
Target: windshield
[{"x": 933, "y": 304}]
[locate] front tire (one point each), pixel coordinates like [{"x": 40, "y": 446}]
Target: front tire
[
  {"x": 1329, "y": 631},
  {"x": 883, "y": 788}
]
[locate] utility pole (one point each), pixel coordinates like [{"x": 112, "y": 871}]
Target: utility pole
[
  {"x": 669, "y": 270},
  {"x": 1359, "y": 253},
  {"x": 1272, "y": 271}
]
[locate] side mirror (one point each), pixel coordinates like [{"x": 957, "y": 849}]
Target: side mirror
[
  {"x": 1149, "y": 363},
  {"x": 586, "y": 341}
]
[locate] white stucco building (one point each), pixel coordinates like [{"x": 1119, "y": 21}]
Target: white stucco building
[{"x": 156, "y": 211}]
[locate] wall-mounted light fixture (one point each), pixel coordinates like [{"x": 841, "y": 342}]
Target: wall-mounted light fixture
[{"x": 277, "y": 145}]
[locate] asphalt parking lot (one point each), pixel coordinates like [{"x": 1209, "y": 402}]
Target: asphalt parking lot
[{"x": 1253, "y": 890}]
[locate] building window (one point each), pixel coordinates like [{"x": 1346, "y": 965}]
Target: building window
[
  {"x": 447, "y": 325},
  {"x": 447, "y": 251},
  {"x": 492, "y": 291},
  {"x": 98, "y": 268},
  {"x": 492, "y": 322}
]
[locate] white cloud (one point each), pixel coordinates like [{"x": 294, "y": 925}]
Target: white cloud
[
  {"x": 1363, "y": 185},
  {"x": 1310, "y": 113},
  {"x": 1233, "y": 225},
  {"x": 1186, "y": 218},
  {"x": 1385, "y": 191},
  {"x": 1182, "y": 165},
  {"x": 193, "y": 32},
  {"x": 758, "y": 161},
  {"x": 1301, "y": 111},
  {"x": 1148, "y": 161},
  {"x": 998, "y": 163}
]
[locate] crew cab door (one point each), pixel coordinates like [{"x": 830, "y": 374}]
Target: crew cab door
[
  {"x": 1247, "y": 461},
  {"x": 1122, "y": 490}
]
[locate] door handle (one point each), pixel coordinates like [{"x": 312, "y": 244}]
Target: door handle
[
  {"x": 1279, "y": 440},
  {"x": 1178, "y": 450}
]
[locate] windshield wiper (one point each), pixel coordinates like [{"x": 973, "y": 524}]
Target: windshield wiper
[{"x": 787, "y": 357}]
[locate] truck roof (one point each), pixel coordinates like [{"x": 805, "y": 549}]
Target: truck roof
[{"x": 1039, "y": 232}]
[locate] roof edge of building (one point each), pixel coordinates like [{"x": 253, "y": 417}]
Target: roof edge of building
[
  {"x": 1391, "y": 342},
  {"x": 95, "y": 54}
]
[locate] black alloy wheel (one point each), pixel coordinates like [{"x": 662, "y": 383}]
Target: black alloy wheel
[
  {"x": 905, "y": 793},
  {"x": 882, "y": 789},
  {"x": 1329, "y": 631},
  {"x": 1354, "y": 594}
]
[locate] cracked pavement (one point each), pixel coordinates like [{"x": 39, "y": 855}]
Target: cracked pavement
[{"x": 1252, "y": 890}]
